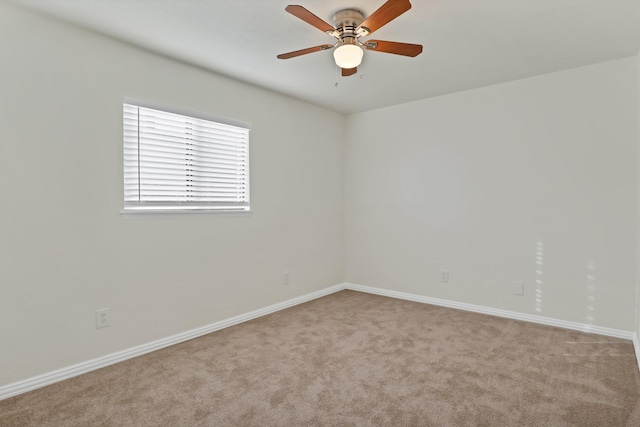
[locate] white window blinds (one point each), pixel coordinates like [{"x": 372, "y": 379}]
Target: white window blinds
[{"x": 176, "y": 162}]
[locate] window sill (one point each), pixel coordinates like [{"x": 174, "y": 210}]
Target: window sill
[{"x": 181, "y": 212}]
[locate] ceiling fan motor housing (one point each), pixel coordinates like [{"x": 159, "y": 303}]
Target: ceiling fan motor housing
[{"x": 346, "y": 22}]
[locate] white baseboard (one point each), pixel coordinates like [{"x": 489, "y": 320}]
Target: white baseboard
[
  {"x": 636, "y": 345},
  {"x": 58, "y": 375},
  {"x": 495, "y": 312}
]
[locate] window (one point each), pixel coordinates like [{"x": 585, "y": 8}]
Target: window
[{"x": 174, "y": 162}]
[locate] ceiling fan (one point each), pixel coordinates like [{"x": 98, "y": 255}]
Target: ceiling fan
[{"x": 348, "y": 26}]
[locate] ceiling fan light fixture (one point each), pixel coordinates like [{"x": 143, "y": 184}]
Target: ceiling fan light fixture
[{"x": 348, "y": 55}]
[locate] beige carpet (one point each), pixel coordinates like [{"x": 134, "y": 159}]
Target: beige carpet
[{"x": 353, "y": 359}]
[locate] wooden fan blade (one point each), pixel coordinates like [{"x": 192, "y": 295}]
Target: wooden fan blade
[
  {"x": 406, "y": 49},
  {"x": 309, "y": 18},
  {"x": 304, "y": 51},
  {"x": 349, "y": 71},
  {"x": 386, "y": 13}
]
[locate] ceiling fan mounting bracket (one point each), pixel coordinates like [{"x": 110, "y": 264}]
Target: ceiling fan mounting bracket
[
  {"x": 346, "y": 22},
  {"x": 348, "y": 17}
]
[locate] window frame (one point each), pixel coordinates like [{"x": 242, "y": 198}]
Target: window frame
[{"x": 184, "y": 207}]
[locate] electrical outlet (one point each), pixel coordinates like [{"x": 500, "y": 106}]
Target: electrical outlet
[
  {"x": 444, "y": 276},
  {"x": 103, "y": 318},
  {"x": 286, "y": 277},
  {"x": 518, "y": 288}
]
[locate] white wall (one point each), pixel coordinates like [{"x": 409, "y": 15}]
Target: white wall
[
  {"x": 66, "y": 251},
  {"x": 484, "y": 183},
  {"x": 490, "y": 182}
]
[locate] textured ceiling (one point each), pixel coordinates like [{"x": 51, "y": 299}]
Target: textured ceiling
[{"x": 467, "y": 43}]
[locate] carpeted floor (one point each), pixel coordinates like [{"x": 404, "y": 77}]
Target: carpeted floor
[{"x": 354, "y": 359}]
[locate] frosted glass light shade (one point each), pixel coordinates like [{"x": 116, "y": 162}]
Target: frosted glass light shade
[{"x": 348, "y": 55}]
